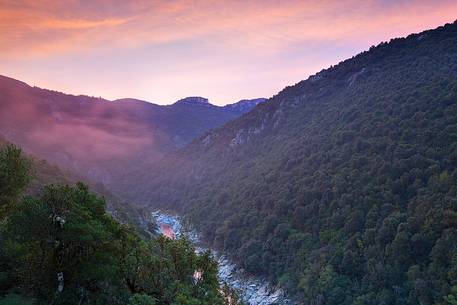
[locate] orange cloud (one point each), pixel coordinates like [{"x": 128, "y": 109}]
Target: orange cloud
[
  {"x": 80, "y": 24},
  {"x": 166, "y": 49},
  {"x": 41, "y": 28}
]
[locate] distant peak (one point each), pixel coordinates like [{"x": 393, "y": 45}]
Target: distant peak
[
  {"x": 194, "y": 100},
  {"x": 244, "y": 105}
]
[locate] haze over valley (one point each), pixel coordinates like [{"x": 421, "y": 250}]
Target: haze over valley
[
  {"x": 103, "y": 139},
  {"x": 337, "y": 189}
]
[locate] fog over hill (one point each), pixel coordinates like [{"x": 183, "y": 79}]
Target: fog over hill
[{"x": 103, "y": 139}]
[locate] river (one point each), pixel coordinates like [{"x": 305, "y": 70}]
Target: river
[{"x": 253, "y": 290}]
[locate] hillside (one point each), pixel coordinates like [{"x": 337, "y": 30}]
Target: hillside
[
  {"x": 100, "y": 139},
  {"x": 340, "y": 188},
  {"x": 61, "y": 247},
  {"x": 186, "y": 119},
  {"x": 44, "y": 173}
]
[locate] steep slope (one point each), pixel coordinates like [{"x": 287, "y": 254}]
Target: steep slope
[
  {"x": 96, "y": 138},
  {"x": 342, "y": 187},
  {"x": 188, "y": 118},
  {"x": 244, "y": 106},
  {"x": 61, "y": 247},
  {"x": 45, "y": 173}
]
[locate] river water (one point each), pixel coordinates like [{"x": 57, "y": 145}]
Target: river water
[{"x": 253, "y": 290}]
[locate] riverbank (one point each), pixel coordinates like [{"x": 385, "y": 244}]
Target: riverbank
[{"x": 253, "y": 290}]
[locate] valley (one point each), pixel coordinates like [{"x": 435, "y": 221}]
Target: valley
[
  {"x": 102, "y": 140},
  {"x": 339, "y": 189},
  {"x": 253, "y": 290},
  {"x": 323, "y": 187}
]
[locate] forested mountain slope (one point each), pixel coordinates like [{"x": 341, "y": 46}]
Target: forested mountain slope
[
  {"x": 44, "y": 173},
  {"x": 342, "y": 188}
]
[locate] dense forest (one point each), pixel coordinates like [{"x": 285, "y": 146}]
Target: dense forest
[
  {"x": 60, "y": 246},
  {"x": 341, "y": 188}
]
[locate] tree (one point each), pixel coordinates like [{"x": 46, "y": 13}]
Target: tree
[
  {"x": 66, "y": 241},
  {"x": 62, "y": 247},
  {"x": 14, "y": 177}
]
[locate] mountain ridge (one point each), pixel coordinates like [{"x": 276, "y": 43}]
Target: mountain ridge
[
  {"x": 96, "y": 137},
  {"x": 197, "y": 100},
  {"x": 340, "y": 187}
]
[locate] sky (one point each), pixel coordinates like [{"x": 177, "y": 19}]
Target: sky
[{"x": 161, "y": 51}]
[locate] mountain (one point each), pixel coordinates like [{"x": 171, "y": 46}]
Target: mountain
[
  {"x": 194, "y": 100},
  {"x": 244, "y": 106},
  {"x": 188, "y": 118},
  {"x": 100, "y": 139},
  {"x": 341, "y": 188}
]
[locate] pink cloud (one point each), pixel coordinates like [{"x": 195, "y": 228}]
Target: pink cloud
[
  {"x": 42, "y": 28},
  {"x": 225, "y": 50}
]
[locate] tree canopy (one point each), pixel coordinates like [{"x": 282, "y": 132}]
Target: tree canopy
[{"x": 61, "y": 247}]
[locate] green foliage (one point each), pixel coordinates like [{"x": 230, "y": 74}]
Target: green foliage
[
  {"x": 65, "y": 230},
  {"x": 14, "y": 176},
  {"x": 142, "y": 299},
  {"x": 61, "y": 247},
  {"x": 14, "y": 299},
  {"x": 343, "y": 187}
]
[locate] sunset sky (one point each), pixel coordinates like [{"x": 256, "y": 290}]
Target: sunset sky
[{"x": 161, "y": 51}]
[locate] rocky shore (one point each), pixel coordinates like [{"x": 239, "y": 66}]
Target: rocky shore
[{"x": 253, "y": 290}]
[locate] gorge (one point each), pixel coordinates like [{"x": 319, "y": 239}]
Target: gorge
[{"x": 253, "y": 290}]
